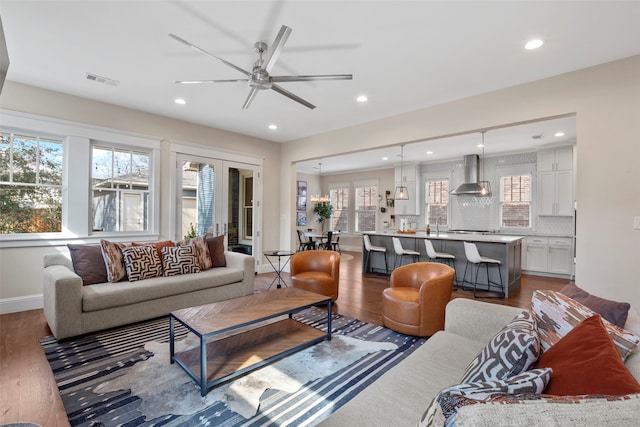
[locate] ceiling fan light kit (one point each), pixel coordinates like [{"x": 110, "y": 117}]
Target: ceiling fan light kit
[{"x": 259, "y": 77}]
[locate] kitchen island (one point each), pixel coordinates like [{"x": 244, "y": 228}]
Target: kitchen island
[{"x": 506, "y": 248}]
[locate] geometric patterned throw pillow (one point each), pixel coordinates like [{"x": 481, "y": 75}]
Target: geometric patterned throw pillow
[
  {"x": 201, "y": 251},
  {"x": 142, "y": 262},
  {"x": 113, "y": 261},
  {"x": 513, "y": 350},
  {"x": 178, "y": 260},
  {"x": 445, "y": 405},
  {"x": 557, "y": 314}
]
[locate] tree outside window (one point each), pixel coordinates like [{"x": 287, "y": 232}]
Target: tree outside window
[
  {"x": 515, "y": 193},
  {"x": 30, "y": 184},
  {"x": 437, "y": 202}
]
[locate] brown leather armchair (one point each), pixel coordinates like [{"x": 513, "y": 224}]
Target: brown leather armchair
[
  {"x": 415, "y": 302},
  {"x": 316, "y": 271}
]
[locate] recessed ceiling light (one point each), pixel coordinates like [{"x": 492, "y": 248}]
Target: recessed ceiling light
[
  {"x": 385, "y": 158},
  {"x": 180, "y": 101},
  {"x": 559, "y": 134},
  {"x": 429, "y": 152},
  {"x": 273, "y": 127},
  {"x": 362, "y": 98},
  {"x": 480, "y": 145},
  {"x": 533, "y": 44}
]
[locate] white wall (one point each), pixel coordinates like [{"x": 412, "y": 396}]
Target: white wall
[
  {"x": 606, "y": 101},
  {"x": 21, "y": 268}
]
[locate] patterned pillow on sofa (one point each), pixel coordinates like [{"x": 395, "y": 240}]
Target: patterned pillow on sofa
[
  {"x": 177, "y": 260},
  {"x": 557, "y": 314},
  {"x": 141, "y": 262},
  {"x": 511, "y": 351},
  {"x": 113, "y": 261},
  {"x": 445, "y": 405},
  {"x": 201, "y": 251}
]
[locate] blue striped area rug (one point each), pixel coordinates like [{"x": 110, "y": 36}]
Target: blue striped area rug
[{"x": 80, "y": 366}]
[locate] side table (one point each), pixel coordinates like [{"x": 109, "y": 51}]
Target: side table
[{"x": 278, "y": 269}]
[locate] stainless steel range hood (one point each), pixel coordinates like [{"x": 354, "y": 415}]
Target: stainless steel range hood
[{"x": 472, "y": 185}]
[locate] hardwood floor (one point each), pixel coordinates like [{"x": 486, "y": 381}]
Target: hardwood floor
[{"x": 28, "y": 392}]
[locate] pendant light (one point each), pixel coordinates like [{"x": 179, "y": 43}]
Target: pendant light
[
  {"x": 317, "y": 198},
  {"x": 401, "y": 190},
  {"x": 485, "y": 186}
]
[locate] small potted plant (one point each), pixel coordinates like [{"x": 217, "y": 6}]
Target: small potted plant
[{"x": 323, "y": 210}]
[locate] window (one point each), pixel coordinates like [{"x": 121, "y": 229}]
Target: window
[
  {"x": 437, "y": 198},
  {"x": 120, "y": 189},
  {"x": 30, "y": 184},
  {"x": 339, "y": 197},
  {"x": 366, "y": 207},
  {"x": 515, "y": 194}
]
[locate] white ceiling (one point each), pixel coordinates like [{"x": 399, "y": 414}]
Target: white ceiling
[{"x": 404, "y": 55}]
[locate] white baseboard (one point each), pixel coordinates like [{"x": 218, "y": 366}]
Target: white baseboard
[{"x": 14, "y": 305}]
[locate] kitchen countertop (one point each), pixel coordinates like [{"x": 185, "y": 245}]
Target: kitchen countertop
[{"x": 487, "y": 238}]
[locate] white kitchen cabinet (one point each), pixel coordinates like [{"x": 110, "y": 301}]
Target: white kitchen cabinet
[
  {"x": 560, "y": 255},
  {"x": 548, "y": 255},
  {"x": 555, "y": 182},
  {"x": 535, "y": 254},
  {"x": 556, "y": 159},
  {"x": 408, "y": 179}
]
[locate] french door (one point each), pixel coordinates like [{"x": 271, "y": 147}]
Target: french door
[{"x": 218, "y": 197}]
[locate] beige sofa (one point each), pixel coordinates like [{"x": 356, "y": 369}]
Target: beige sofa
[
  {"x": 402, "y": 394},
  {"x": 72, "y": 309}
]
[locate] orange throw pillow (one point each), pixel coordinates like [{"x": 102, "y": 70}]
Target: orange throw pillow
[{"x": 585, "y": 361}]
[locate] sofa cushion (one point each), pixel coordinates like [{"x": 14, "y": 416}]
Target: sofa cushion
[
  {"x": 179, "y": 260},
  {"x": 556, "y": 314},
  {"x": 585, "y": 361},
  {"x": 202, "y": 251},
  {"x": 511, "y": 351},
  {"x": 216, "y": 250},
  {"x": 546, "y": 410},
  {"x": 113, "y": 261},
  {"x": 447, "y": 402},
  {"x": 88, "y": 263},
  {"x": 108, "y": 295},
  {"x": 615, "y": 312},
  {"x": 409, "y": 386},
  {"x": 141, "y": 262}
]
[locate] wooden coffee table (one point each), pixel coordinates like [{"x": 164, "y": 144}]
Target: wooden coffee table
[{"x": 242, "y": 334}]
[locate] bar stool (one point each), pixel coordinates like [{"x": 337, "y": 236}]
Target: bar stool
[
  {"x": 443, "y": 258},
  {"x": 474, "y": 257},
  {"x": 371, "y": 248},
  {"x": 400, "y": 252}
]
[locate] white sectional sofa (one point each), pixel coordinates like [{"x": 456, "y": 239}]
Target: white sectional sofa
[
  {"x": 72, "y": 309},
  {"x": 401, "y": 396}
]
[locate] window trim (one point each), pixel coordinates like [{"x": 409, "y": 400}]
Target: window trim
[
  {"x": 348, "y": 186},
  {"x": 361, "y": 184},
  {"x": 76, "y": 181},
  {"x": 516, "y": 170}
]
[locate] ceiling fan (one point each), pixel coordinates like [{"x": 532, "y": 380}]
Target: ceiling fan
[{"x": 259, "y": 78}]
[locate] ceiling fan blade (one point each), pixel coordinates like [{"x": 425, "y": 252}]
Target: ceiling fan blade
[
  {"x": 210, "y": 81},
  {"x": 183, "y": 41},
  {"x": 252, "y": 95},
  {"x": 288, "y": 94},
  {"x": 312, "y": 78},
  {"x": 276, "y": 47}
]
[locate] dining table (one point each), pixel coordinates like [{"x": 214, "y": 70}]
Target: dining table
[{"x": 320, "y": 235}]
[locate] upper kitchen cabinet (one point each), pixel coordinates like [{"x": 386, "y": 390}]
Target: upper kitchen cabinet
[
  {"x": 408, "y": 178},
  {"x": 555, "y": 182}
]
